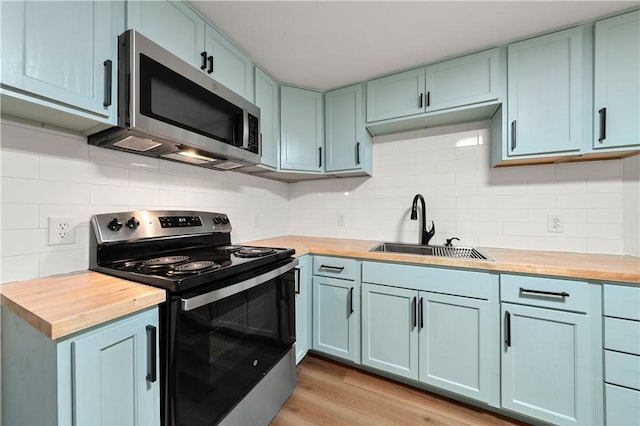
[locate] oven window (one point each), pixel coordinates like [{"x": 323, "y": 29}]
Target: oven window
[
  {"x": 226, "y": 347},
  {"x": 169, "y": 97}
]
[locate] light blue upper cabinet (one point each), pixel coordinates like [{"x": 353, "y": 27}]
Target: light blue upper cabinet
[
  {"x": 65, "y": 54},
  {"x": 616, "y": 118},
  {"x": 545, "y": 94},
  {"x": 301, "y": 130},
  {"x": 397, "y": 95},
  {"x": 230, "y": 66},
  {"x": 267, "y": 98},
  {"x": 171, "y": 24},
  {"x": 453, "y": 83},
  {"x": 347, "y": 142},
  {"x": 463, "y": 81},
  {"x": 183, "y": 32}
]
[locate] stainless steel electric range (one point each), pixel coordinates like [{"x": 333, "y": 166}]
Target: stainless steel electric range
[{"x": 227, "y": 328}]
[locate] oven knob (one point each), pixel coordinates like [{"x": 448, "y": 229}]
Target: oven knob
[
  {"x": 114, "y": 225},
  {"x": 217, "y": 220},
  {"x": 225, "y": 220},
  {"x": 133, "y": 223}
]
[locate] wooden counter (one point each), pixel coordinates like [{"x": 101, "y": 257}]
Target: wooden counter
[
  {"x": 595, "y": 267},
  {"x": 62, "y": 305}
]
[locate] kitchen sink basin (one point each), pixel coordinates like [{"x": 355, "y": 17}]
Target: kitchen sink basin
[{"x": 441, "y": 251}]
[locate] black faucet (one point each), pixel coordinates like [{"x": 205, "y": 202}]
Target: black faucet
[{"x": 425, "y": 235}]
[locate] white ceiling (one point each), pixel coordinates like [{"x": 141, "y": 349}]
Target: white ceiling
[{"x": 328, "y": 44}]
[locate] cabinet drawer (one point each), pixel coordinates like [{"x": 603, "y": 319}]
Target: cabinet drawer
[
  {"x": 622, "y": 301},
  {"x": 545, "y": 292},
  {"x": 336, "y": 267},
  {"x": 479, "y": 285},
  {"x": 622, "y": 369},
  {"x": 622, "y": 405},
  {"x": 622, "y": 335}
]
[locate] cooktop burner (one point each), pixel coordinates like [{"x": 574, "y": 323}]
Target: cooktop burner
[
  {"x": 193, "y": 267},
  {"x": 254, "y": 251},
  {"x": 229, "y": 249},
  {"x": 164, "y": 261}
]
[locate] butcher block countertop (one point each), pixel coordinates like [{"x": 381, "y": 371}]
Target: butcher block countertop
[
  {"x": 62, "y": 305},
  {"x": 594, "y": 267}
]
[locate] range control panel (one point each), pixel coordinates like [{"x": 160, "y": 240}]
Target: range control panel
[{"x": 134, "y": 225}]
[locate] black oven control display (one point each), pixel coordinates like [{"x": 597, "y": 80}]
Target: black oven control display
[{"x": 179, "y": 221}]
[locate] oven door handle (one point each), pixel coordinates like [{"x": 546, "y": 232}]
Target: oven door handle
[{"x": 215, "y": 295}]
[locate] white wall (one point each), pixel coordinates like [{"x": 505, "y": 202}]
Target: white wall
[
  {"x": 506, "y": 207},
  {"x": 46, "y": 173}
]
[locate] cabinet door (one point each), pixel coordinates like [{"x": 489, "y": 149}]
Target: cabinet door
[
  {"x": 390, "y": 329},
  {"x": 456, "y": 341},
  {"x": 617, "y": 85},
  {"x": 231, "y": 67},
  {"x": 345, "y": 142},
  {"x": 59, "y": 51},
  {"x": 546, "y": 365},
  {"x": 302, "y": 130},
  {"x": 267, "y": 97},
  {"x": 171, "y": 24},
  {"x": 336, "y": 308},
  {"x": 303, "y": 308},
  {"x": 545, "y": 103},
  {"x": 397, "y": 95},
  {"x": 110, "y": 370},
  {"x": 463, "y": 81}
]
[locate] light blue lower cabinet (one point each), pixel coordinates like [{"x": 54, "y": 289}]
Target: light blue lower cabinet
[
  {"x": 97, "y": 377},
  {"x": 390, "y": 329},
  {"x": 336, "y": 317},
  {"x": 546, "y": 365},
  {"x": 449, "y": 341},
  {"x": 303, "y": 307}
]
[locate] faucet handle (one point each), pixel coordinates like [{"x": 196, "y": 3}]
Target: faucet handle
[
  {"x": 449, "y": 241},
  {"x": 429, "y": 234}
]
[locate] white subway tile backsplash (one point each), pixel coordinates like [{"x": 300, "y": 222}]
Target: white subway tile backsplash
[
  {"x": 588, "y": 170},
  {"x": 61, "y": 262},
  {"x": 19, "y": 216},
  {"x": 19, "y": 165},
  {"x": 19, "y": 268},
  {"x": 605, "y": 216},
  {"x": 19, "y": 242}
]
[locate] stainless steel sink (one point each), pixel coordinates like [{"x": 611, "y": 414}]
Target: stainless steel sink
[{"x": 441, "y": 251}]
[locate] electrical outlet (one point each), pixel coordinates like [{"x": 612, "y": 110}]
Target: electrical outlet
[
  {"x": 341, "y": 220},
  {"x": 256, "y": 220},
  {"x": 554, "y": 223},
  {"x": 62, "y": 230}
]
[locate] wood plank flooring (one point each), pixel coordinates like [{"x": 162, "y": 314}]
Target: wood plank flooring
[{"x": 329, "y": 393}]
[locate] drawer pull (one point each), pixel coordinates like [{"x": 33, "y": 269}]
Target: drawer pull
[
  {"x": 545, "y": 293},
  {"x": 335, "y": 268},
  {"x": 297, "y": 280},
  {"x": 507, "y": 328},
  {"x": 414, "y": 311}
]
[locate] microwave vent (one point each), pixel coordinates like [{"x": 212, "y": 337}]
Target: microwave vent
[
  {"x": 185, "y": 159},
  {"x": 135, "y": 143},
  {"x": 227, "y": 165}
]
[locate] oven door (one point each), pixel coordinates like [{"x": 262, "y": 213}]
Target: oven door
[{"x": 227, "y": 340}]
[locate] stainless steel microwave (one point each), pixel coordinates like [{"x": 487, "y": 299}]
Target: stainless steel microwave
[{"x": 170, "y": 109}]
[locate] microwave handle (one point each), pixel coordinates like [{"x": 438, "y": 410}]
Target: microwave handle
[
  {"x": 245, "y": 128},
  {"x": 215, "y": 295}
]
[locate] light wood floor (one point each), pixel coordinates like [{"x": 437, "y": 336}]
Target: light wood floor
[{"x": 329, "y": 393}]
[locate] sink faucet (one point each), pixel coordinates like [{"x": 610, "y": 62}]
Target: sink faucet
[{"x": 425, "y": 235}]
